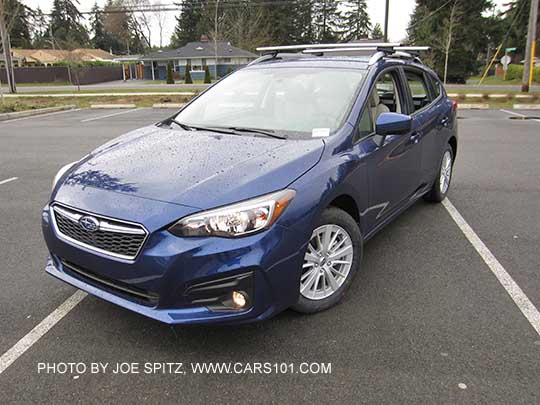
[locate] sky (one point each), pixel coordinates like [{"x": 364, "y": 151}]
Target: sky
[{"x": 400, "y": 11}]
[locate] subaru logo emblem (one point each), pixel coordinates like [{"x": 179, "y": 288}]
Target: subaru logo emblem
[{"x": 89, "y": 224}]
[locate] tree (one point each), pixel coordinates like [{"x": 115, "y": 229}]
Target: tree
[
  {"x": 327, "y": 20},
  {"x": 247, "y": 27},
  {"x": 65, "y": 25},
  {"x": 377, "y": 32},
  {"x": 17, "y": 17},
  {"x": 189, "y": 25},
  {"x": 123, "y": 29},
  {"x": 40, "y": 34},
  {"x": 100, "y": 38},
  {"x": 430, "y": 25},
  {"x": 356, "y": 23},
  {"x": 170, "y": 79},
  {"x": 207, "y": 77},
  {"x": 160, "y": 17},
  {"x": 188, "y": 79}
]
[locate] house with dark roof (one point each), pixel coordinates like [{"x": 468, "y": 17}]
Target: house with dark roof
[{"x": 197, "y": 55}]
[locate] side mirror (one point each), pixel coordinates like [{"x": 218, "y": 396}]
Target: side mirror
[{"x": 393, "y": 124}]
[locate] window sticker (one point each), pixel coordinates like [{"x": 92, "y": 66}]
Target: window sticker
[{"x": 320, "y": 132}]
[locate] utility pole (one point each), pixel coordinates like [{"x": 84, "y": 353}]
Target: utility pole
[
  {"x": 529, "y": 53},
  {"x": 215, "y": 38},
  {"x": 8, "y": 62},
  {"x": 386, "y": 21}
]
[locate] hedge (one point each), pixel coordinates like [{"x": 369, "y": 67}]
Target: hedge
[{"x": 515, "y": 72}]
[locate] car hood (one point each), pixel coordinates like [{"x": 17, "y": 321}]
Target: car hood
[{"x": 197, "y": 169}]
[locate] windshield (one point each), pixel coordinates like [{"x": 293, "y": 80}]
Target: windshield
[{"x": 302, "y": 102}]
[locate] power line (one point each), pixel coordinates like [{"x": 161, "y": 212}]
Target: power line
[{"x": 430, "y": 14}]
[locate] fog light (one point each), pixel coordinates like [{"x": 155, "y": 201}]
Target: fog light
[{"x": 239, "y": 299}]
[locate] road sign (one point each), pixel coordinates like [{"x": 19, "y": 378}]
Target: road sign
[
  {"x": 506, "y": 60},
  {"x": 510, "y": 49}
]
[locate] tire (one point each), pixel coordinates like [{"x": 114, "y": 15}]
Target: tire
[
  {"x": 324, "y": 294},
  {"x": 439, "y": 190}
]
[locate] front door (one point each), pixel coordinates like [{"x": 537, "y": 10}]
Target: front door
[{"x": 393, "y": 161}]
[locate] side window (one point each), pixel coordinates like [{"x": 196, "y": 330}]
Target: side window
[
  {"x": 365, "y": 126},
  {"x": 436, "y": 86},
  {"x": 419, "y": 89},
  {"x": 384, "y": 97},
  {"x": 386, "y": 92}
]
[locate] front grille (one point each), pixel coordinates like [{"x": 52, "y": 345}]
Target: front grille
[{"x": 116, "y": 238}]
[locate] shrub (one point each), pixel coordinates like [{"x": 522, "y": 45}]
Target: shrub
[
  {"x": 230, "y": 69},
  {"x": 514, "y": 72},
  {"x": 536, "y": 75},
  {"x": 188, "y": 75},
  {"x": 170, "y": 79},
  {"x": 207, "y": 78}
]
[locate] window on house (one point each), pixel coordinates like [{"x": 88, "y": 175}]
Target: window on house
[{"x": 226, "y": 60}]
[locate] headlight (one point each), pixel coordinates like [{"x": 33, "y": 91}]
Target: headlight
[
  {"x": 61, "y": 172},
  {"x": 236, "y": 220}
]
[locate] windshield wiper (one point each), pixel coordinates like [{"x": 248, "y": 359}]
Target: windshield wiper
[
  {"x": 267, "y": 132},
  {"x": 198, "y": 128}
]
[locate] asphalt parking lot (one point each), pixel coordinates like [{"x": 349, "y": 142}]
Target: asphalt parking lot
[{"x": 427, "y": 320}]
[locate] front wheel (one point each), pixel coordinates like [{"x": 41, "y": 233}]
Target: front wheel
[
  {"x": 442, "y": 183},
  {"x": 333, "y": 257}
]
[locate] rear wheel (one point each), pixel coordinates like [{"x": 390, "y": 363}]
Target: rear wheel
[
  {"x": 332, "y": 259},
  {"x": 442, "y": 183}
]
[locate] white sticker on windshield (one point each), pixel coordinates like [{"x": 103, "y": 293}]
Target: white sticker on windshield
[{"x": 320, "y": 132}]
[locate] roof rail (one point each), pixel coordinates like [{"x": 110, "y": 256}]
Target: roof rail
[
  {"x": 324, "y": 46},
  {"x": 382, "y": 49}
]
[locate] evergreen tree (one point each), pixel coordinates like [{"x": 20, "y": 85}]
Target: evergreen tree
[
  {"x": 377, "y": 32},
  {"x": 516, "y": 19},
  {"x": 356, "y": 23},
  {"x": 17, "y": 23},
  {"x": 327, "y": 21},
  {"x": 66, "y": 26},
  {"x": 99, "y": 36},
  {"x": 207, "y": 78},
  {"x": 170, "y": 78},
  {"x": 40, "y": 34},
  {"x": 189, "y": 24},
  {"x": 188, "y": 79},
  {"x": 468, "y": 40}
]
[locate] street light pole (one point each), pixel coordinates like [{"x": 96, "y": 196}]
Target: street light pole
[
  {"x": 386, "y": 21},
  {"x": 529, "y": 53}
]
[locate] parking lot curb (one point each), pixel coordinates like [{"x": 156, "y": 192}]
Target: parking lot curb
[
  {"x": 526, "y": 106},
  {"x": 168, "y": 105},
  {"x": 30, "y": 113},
  {"x": 109, "y": 106},
  {"x": 473, "y": 106}
]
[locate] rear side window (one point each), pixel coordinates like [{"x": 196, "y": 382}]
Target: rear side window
[
  {"x": 436, "y": 86},
  {"x": 419, "y": 89}
]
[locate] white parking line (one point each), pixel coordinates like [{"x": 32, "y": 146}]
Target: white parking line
[
  {"x": 516, "y": 293},
  {"x": 110, "y": 115},
  {"x": 41, "y": 115},
  {"x": 513, "y": 113},
  {"x": 40, "y": 330},
  {"x": 8, "y": 180}
]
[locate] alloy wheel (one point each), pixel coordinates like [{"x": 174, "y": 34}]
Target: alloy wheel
[
  {"x": 446, "y": 172},
  {"x": 327, "y": 262}
]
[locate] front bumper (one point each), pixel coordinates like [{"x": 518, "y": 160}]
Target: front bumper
[{"x": 164, "y": 282}]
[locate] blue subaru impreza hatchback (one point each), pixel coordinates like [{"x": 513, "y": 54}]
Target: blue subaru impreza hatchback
[{"x": 259, "y": 194}]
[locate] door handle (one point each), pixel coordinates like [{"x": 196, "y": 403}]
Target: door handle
[
  {"x": 445, "y": 121},
  {"x": 415, "y": 137}
]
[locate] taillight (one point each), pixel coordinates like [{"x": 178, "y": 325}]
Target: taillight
[{"x": 454, "y": 105}]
